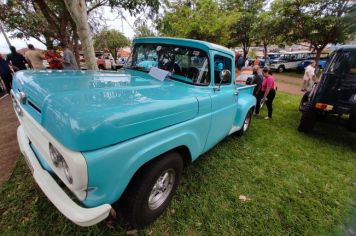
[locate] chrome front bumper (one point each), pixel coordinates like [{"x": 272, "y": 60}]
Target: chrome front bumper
[{"x": 79, "y": 215}]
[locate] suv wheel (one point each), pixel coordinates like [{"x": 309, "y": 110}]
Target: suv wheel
[
  {"x": 304, "y": 103},
  {"x": 307, "y": 121},
  {"x": 281, "y": 69},
  {"x": 151, "y": 190}
]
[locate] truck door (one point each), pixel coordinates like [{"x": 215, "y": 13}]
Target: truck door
[{"x": 223, "y": 99}]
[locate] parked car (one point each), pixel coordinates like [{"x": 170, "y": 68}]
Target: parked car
[
  {"x": 335, "y": 94},
  {"x": 288, "y": 60},
  {"x": 302, "y": 65},
  {"x": 321, "y": 65},
  {"x": 265, "y": 61},
  {"x": 104, "y": 60},
  {"x": 244, "y": 75},
  {"x": 119, "y": 140}
]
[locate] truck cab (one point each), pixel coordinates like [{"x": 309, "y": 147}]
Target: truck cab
[{"x": 118, "y": 140}]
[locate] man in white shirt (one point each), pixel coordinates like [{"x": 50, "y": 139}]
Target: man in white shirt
[{"x": 309, "y": 76}]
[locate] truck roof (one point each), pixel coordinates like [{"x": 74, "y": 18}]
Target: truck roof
[
  {"x": 185, "y": 42},
  {"x": 347, "y": 48}
]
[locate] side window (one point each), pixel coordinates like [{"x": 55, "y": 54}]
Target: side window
[
  {"x": 353, "y": 64},
  {"x": 221, "y": 63},
  {"x": 342, "y": 63}
]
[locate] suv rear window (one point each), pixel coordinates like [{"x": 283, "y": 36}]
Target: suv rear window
[{"x": 343, "y": 62}]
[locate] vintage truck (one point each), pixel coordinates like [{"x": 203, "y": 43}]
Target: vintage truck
[{"x": 119, "y": 140}]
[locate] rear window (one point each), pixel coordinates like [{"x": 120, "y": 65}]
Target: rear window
[{"x": 343, "y": 63}]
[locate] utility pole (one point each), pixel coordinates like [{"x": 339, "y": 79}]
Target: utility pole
[{"x": 3, "y": 32}]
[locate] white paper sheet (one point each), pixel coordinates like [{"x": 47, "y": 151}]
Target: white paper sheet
[{"x": 158, "y": 73}]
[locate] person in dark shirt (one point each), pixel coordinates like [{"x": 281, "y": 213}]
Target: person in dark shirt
[
  {"x": 257, "y": 80},
  {"x": 6, "y": 74},
  {"x": 16, "y": 60}
]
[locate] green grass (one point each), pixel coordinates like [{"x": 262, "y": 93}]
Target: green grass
[{"x": 298, "y": 184}]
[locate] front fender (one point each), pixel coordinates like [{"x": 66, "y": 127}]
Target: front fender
[{"x": 111, "y": 169}]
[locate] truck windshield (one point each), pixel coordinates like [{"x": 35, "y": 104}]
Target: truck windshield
[{"x": 187, "y": 65}]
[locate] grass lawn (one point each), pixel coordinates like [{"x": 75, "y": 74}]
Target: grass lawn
[{"x": 297, "y": 183}]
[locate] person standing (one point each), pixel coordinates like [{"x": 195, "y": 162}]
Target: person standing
[
  {"x": 268, "y": 92},
  {"x": 54, "y": 59},
  {"x": 5, "y": 74},
  {"x": 240, "y": 62},
  {"x": 68, "y": 59},
  {"x": 35, "y": 58},
  {"x": 256, "y": 62},
  {"x": 309, "y": 76},
  {"x": 247, "y": 62},
  {"x": 16, "y": 60},
  {"x": 256, "y": 80}
]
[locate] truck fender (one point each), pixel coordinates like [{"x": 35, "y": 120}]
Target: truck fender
[
  {"x": 245, "y": 103},
  {"x": 116, "y": 165}
]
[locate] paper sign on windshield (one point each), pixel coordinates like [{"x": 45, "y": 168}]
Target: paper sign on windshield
[{"x": 158, "y": 73}]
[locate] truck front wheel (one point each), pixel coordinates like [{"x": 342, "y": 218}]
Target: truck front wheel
[
  {"x": 151, "y": 190},
  {"x": 307, "y": 121}
]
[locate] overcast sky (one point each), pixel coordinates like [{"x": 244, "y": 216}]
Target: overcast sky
[{"x": 112, "y": 20}]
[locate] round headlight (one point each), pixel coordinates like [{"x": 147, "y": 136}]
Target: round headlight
[
  {"x": 67, "y": 172},
  {"x": 56, "y": 157},
  {"x": 59, "y": 162}
]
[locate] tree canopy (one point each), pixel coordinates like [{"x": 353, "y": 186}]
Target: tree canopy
[
  {"x": 318, "y": 22},
  {"x": 110, "y": 39},
  {"x": 142, "y": 30},
  {"x": 198, "y": 19}
]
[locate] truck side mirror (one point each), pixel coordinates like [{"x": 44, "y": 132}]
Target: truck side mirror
[{"x": 225, "y": 76}]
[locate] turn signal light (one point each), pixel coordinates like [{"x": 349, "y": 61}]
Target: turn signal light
[{"x": 324, "y": 106}]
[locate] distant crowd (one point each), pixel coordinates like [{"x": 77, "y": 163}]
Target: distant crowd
[{"x": 34, "y": 59}]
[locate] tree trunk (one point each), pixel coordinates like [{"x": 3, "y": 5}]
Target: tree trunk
[
  {"x": 318, "y": 53},
  {"x": 78, "y": 11},
  {"x": 76, "y": 47},
  {"x": 265, "y": 49}
]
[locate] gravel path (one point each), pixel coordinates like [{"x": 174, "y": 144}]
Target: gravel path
[{"x": 9, "y": 150}]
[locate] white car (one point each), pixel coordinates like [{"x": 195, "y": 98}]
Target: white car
[{"x": 289, "y": 60}]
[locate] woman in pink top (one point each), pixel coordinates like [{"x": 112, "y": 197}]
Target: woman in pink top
[{"x": 268, "y": 92}]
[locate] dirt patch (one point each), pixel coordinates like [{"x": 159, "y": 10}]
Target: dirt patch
[
  {"x": 9, "y": 149},
  {"x": 288, "y": 84}
]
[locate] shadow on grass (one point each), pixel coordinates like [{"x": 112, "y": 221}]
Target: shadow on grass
[{"x": 333, "y": 131}]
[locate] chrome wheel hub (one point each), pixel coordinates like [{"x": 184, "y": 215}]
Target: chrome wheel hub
[
  {"x": 247, "y": 122},
  {"x": 161, "y": 189}
]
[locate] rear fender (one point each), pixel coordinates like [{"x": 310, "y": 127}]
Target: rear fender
[{"x": 245, "y": 103}]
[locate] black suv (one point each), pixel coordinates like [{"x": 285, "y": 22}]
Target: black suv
[{"x": 335, "y": 93}]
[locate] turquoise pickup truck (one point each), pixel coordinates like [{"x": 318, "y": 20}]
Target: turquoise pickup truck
[{"x": 119, "y": 140}]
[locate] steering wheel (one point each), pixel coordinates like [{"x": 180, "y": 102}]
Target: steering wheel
[{"x": 192, "y": 73}]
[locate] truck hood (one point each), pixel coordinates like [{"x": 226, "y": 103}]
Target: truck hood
[{"x": 87, "y": 110}]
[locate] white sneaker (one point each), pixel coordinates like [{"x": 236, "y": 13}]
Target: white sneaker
[{"x": 267, "y": 118}]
